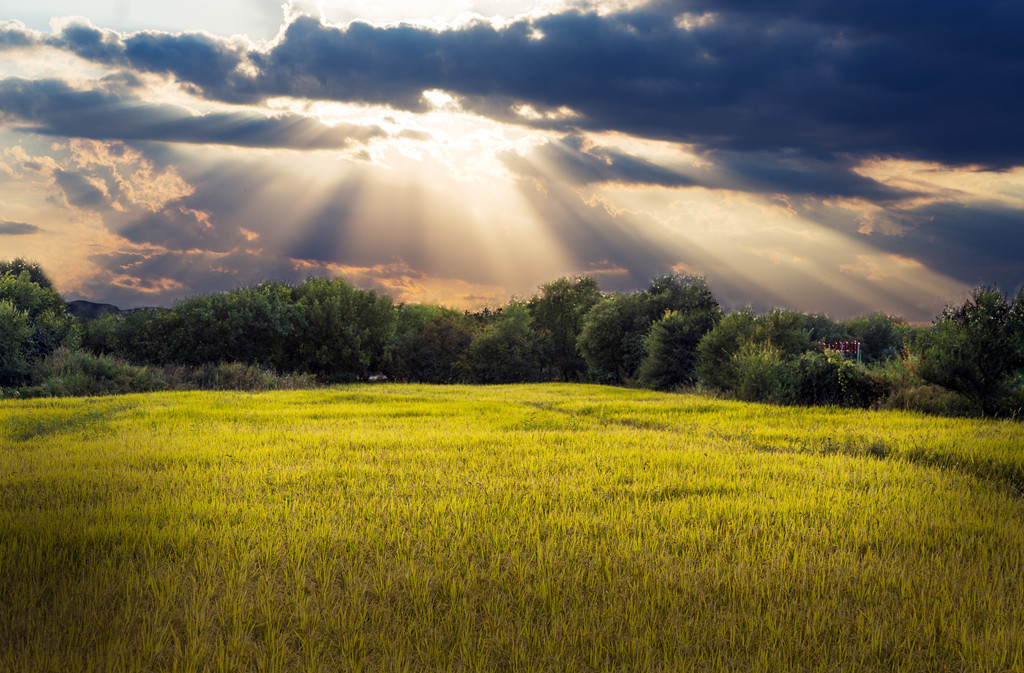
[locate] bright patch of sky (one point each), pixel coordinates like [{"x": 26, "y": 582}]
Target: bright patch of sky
[{"x": 261, "y": 19}]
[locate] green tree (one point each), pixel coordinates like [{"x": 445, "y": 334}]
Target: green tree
[
  {"x": 342, "y": 333},
  {"x": 506, "y": 351},
  {"x": 46, "y": 312},
  {"x": 785, "y": 330},
  {"x": 558, "y": 312},
  {"x": 977, "y": 348},
  {"x": 16, "y": 266},
  {"x": 251, "y": 325},
  {"x": 15, "y": 334},
  {"x": 607, "y": 340},
  {"x": 142, "y": 336},
  {"x": 671, "y": 359},
  {"x": 677, "y": 292},
  {"x": 820, "y": 328},
  {"x": 881, "y": 336},
  {"x": 430, "y": 344},
  {"x": 613, "y": 340},
  {"x": 715, "y": 367}
]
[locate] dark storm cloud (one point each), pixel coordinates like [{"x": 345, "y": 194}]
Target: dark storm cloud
[
  {"x": 80, "y": 192},
  {"x": 52, "y": 107},
  {"x": 14, "y": 36},
  {"x": 791, "y": 172},
  {"x": 176, "y": 227},
  {"x": 8, "y": 228},
  {"x": 974, "y": 244},
  {"x": 910, "y": 79},
  {"x": 572, "y": 159}
]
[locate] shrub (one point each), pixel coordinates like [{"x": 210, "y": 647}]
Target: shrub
[
  {"x": 782, "y": 332},
  {"x": 905, "y": 390},
  {"x": 813, "y": 378},
  {"x": 79, "y": 373},
  {"x": 764, "y": 374},
  {"x": 76, "y": 372},
  {"x": 759, "y": 373},
  {"x": 928, "y": 398},
  {"x": 234, "y": 376}
]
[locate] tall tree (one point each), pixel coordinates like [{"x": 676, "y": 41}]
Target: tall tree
[
  {"x": 342, "y": 333},
  {"x": 35, "y": 272},
  {"x": 558, "y": 311},
  {"x": 605, "y": 340},
  {"x": 671, "y": 358},
  {"x": 614, "y": 336},
  {"x": 977, "y": 348},
  {"x": 881, "y": 336},
  {"x": 45, "y": 310},
  {"x": 506, "y": 351}
]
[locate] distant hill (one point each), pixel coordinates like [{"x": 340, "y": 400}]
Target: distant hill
[{"x": 90, "y": 309}]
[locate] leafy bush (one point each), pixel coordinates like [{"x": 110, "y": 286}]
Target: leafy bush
[
  {"x": 783, "y": 333},
  {"x": 929, "y": 398},
  {"x": 813, "y": 378},
  {"x": 759, "y": 373},
  {"x": 234, "y": 376},
  {"x": 860, "y": 388},
  {"x": 68, "y": 372},
  {"x": 764, "y": 374},
  {"x": 76, "y": 372},
  {"x": 907, "y": 391}
]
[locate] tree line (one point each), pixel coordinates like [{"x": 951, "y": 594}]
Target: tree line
[{"x": 671, "y": 335}]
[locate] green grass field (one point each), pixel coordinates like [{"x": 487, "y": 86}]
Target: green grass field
[{"x": 518, "y": 528}]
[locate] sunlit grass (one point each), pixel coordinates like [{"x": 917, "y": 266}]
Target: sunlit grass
[{"x": 504, "y": 528}]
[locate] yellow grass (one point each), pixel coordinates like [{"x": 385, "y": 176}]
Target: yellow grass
[{"x": 547, "y": 527}]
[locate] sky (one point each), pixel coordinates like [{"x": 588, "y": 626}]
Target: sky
[{"x": 839, "y": 158}]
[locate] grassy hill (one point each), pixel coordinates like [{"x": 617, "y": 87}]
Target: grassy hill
[{"x": 541, "y": 527}]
